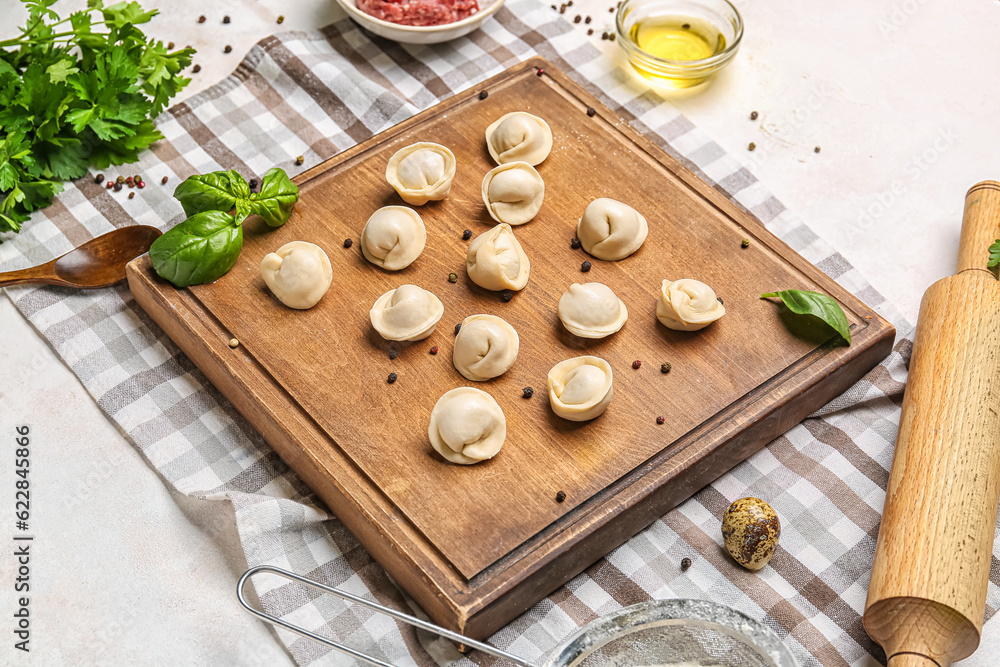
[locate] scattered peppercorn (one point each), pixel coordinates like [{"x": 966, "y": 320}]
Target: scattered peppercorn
[
  {"x": 458, "y": 327},
  {"x": 131, "y": 195},
  {"x": 540, "y": 72},
  {"x": 752, "y": 146},
  {"x": 611, "y": 10},
  {"x": 562, "y": 9},
  {"x": 753, "y": 115},
  {"x": 453, "y": 277},
  {"x": 225, "y": 19},
  {"x": 170, "y": 45},
  {"x": 467, "y": 234},
  {"x": 585, "y": 267},
  {"x": 660, "y": 421},
  {"x": 686, "y": 26},
  {"x": 484, "y": 94},
  {"x": 110, "y": 185},
  {"x": 118, "y": 187},
  {"x": 163, "y": 181},
  {"x": 636, "y": 364},
  {"x": 393, "y": 353},
  {"x": 587, "y": 20},
  {"x": 392, "y": 378},
  {"x": 554, "y": 7},
  {"x": 120, "y": 179},
  {"x": 591, "y": 111},
  {"x": 590, "y": 31},
  {"x": 281, "y": 19},
  {"x": 507, "y": 295},
  {"x": 745, "y": 243},
  {"x": 201, "y": 19},
  {"x": 577, "y": 18},
  {"x": 561, "y": 496},
  {"x": 434, "y": 350},
  {"x": 234, "y": 343},
  {"x": 348, "y": 243},
  {"x": 604, "y": 35},
  {"x": 254, "y": 183},
  {"x": 816, "y": 150},
  {"x": 527, "y": 392},
  {"x": 665, "y": 367},
  {"x": 300, "y": 159},
  {"x": 196, "y": 69},
  {"x": 99, "y": 179},
  {"x": 570, "y": 3},
  {"x": 141, "y": 184},
  {"x": 227, "y": 49},
  {"x": 685, "y": 564},
  {"x": 574, "y": 243},
  {"x": 612, "y": 37}
]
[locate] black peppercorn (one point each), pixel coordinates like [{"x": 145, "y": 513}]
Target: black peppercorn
[
  {"x": 507, "y": 295},
  {"x": 484, "y": 94},
  {"x": 453, "y": 277},
  {"x": 561, "y": 496},
  {"x": 587, "y": 20},
  {"x": 348, "y": 243},
  {"x": 591, "y": 112},
  {"x": 577, "y": 18},
  {"x": 392, "y": 378},
  {"x": 752, "y": 146},
  {"x": 196, "y": 69},
  {"x": 467, "y": 234},
  {"x": 393, "y": 354},
  {"x": 163, "y": 181},
  {"x": 585, "y": 267},
  {"x": 99, "y": 179},
  {"x": 816, "y": 150},
  {"x": 434, "y": 350},
  {"x": 227, "y": 49},
  {"x": 753, "y": 115},
  {"x": 300, "y": 159},
  {"x": 562, "y": 9},
  {"x": 253, "y": 183},
  {"x": 574, "y": 243},
  {"x": 745, "y": 243},
  {"x": 636, "y": 364},
  {"x": 201, "y": 19},
  {"x": 170, "y": 45},
  {"x": 665, "y": 367},
  {"x": 281, "y": 19},
  {"x": 612, "y": 37},
  {"x": 458, "y": 327},
  {"x": 225, "y": 19},
  {"x": 131, "y": 195},
  {"x": 118, "y": 187},
  {"x": 685, "y": 564},
  {"x": 590, "y": 31},
  {"x": 660, "y": 421},
  {"x": 527, "y": 392}
]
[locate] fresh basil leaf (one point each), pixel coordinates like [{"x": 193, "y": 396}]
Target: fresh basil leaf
[
  {"x": 199, "y": 250},
  {"x": 215, "y": 191},
  {"x": 276, "y": 198},
  {"x": 814, "y": 304},
  {"x": 994, "y": 254}
]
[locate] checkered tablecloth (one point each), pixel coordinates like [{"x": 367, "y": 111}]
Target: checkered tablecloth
[{"x": 317, "y": 93}]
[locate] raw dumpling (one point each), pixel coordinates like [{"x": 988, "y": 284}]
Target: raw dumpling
[
  {"x": 486, "y": 347},
  {"x": 406, "y": 313},
  {"x": 393, "y": 237},
  {"x": 687, "y": 305},
  {"x": 580, "y": 388},
  {"x": 298, "y": 273},
  {"x": 519, "y": 137},
  {"x": 610, "y": 229},
  {"x": 467, "y": 426},
  {"x": 496, "y": 260},
  {"x": 591, "y": 310},
  {"x": 513, "y": 193},
  {"x": 421, "y": 172}
]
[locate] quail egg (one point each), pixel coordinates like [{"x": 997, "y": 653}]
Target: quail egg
[{"x": 751, "y": 531}]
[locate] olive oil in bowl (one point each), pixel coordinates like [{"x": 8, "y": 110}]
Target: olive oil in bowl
[{"x": 682, "y": 38}]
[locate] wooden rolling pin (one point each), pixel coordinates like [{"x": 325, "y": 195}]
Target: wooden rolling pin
[{"x": 932, "y": 560}]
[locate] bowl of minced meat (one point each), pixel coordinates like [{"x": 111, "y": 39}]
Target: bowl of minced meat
[{"x": 420, "y": 21}]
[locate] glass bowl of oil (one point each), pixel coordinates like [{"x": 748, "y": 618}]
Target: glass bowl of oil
[{"x": 678, "y": 43}]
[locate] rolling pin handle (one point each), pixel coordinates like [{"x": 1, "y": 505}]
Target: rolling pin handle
[
  {"x": 980, "y": 226},
  {"x": 911, "y": 660}
]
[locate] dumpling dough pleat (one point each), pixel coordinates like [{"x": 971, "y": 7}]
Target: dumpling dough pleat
[
  {"x": 421, "y": 172},
  {"x": 496, "y": 260},
  {"x": 513, "y": 193},
  {"x": 519, "y": 137},
  {"x": 580, "y": 388},
  {"x": 467, "y": 426},
  {"x": 393, "y": 237},
  {"x": 592, "y": 310},
  {"x": 406, "y": 313},
  {"x": 687, "y": 305},
  {"x": 298, "y": 273},
  {"x": 611, "y": 230},
  {"x": 486, "y": 347}
]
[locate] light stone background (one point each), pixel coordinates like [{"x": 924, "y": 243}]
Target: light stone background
[{"x": 899, "y": 95}]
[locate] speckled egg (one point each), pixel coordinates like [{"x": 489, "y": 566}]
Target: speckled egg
[{"x": 751, "y": 530}]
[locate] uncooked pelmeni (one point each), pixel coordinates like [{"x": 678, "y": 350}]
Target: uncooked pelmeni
[
  {"x": 421, "y": 172},
  {"x": 513, "y": 193},
  {"x": 393, "y": 237},
  {"x": 486, "y": 347},
  {"x": 591, "y": 310},
  {"x": 580, "y": 388},
  {"x": 496, "y": 260},
  {"x": 298, "y": 273},
  {"x": 467, "y": 426},
  {"x": 406, "y": 313},
  {"x": 687, "y": 305},
  {"x": 519, "y": 137},
  {"x": 610, "y": 229}
]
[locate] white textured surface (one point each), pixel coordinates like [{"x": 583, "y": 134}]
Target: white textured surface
[{"x": 127, "y": 573}]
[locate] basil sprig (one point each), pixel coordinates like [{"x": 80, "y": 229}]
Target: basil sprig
[
  {"x": 206, "y": 245},
  {"x": 815, "y": 305}
]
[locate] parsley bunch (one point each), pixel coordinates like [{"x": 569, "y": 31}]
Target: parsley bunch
[{"x": 77, "y": 92}]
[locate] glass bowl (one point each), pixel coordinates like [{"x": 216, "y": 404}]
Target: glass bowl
[{"x": 701, "y": 35}]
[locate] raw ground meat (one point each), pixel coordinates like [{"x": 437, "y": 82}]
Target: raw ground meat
[{"x": 419, "y": 12}]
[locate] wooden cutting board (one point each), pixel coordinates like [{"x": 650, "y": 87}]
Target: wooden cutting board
[{"x": 477, "y": 545}]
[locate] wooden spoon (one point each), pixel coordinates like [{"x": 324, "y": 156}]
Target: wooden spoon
[{"x": 100, "y": 262}]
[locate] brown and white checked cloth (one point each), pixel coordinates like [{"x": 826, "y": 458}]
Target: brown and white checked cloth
[{"x": 315, "y": 94}]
